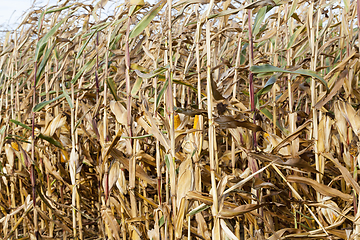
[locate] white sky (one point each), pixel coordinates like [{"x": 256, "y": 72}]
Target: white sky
[{"x": 12, "y": 10}]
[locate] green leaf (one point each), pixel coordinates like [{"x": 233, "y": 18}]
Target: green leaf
[
  {"x": 85, "y": 44},
  {"x": 161, "y": 93},
  {"x": 57, "y": 9},
  {"x": 42, "y": 136},
  {"x": 310, "y": 218},
  {"x": 225, "y": 13},
  {"x": 115, "y": 35},
  {"x": 50, "y": 92},
  {"x": 268, "y": 85},
  {"x": 347, "y": 5},
  {"x": 41, "y": 18},
  {"x": 136, "y": 86},
  {"x": 41, "y": 105},
  {"x": 294, "y": 36},
  {"x": 51, "y": 140},
  {"x": 85, "y": 68},
  {"x": 139, "y": 137},
  {"x": 198, "y": 209},
  {"x": 266, "y": 68},
  {"x": 153, "y": 73},
  {"x": 187, "y": 84},
  {"x": 161, "y": 221},
  {"x": 268, "y": 114},
  {"x": 40, "y": 46},
  {"x": 256, "y": 101},
  {"x": 258, "y": 20},
  {"x": 265, "y": 89},
  {"x": 20, "y": 124},
  {"x": 101, "y": 25},
  {"x": 19, "y": 138},
  {"x": 44, "y": 61},
  {"x": 313, "y": 74},
  {"x": 68, "y": 99},
  {"x": 2, "y": 130},
  {"x": 113, "y": 88},
  {"x": 293, "y": 8},
  {"x": 145, "y": 21},
  {"x": 134, "y": 8},
  {"x": 97, "y": 28}
]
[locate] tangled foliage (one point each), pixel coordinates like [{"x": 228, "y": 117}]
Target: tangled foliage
[{"x": 187, "y": 119}]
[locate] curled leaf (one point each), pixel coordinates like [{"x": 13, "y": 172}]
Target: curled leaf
[
  {"x": 321, "y": 188},
  {"x": 230, "y": 122}
]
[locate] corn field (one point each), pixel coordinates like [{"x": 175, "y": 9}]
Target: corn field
[{"x": 188, "y": 119}]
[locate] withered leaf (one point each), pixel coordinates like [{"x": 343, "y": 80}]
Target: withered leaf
[
  {"x": 216, "y": 94},
  {"x": 345, "y": 172},
  {"x": 321, "y": 188},
  {"x": 208, "y": 200},
  {"x": 233, "y": 212},
  {"x": 230, "y": 122},
  {"x": 260, "y": 3},
  {"x": 191, "y": 112},
  {"x": 291, "y": 137},
  {"x": 140, "y": 173},
  {"x": 301, "y": 164},
  {"x": 111, "y": 222},
  {"x": 292, "y": 162},
  {"x": 339, "y": 83}
]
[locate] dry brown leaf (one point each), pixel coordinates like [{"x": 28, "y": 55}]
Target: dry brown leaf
[
  {"x": 198, "y": 196},
  {"x": 73, "y": 163},
  {"x": 233, "y": 212},
  {"x": 55, "y": 124},
  {"x": 119, "y": 111},
  {"x": 321, "y": 188},
  {"x": 216, "y": 94},
  {"x": 260, "y": 3},
  {"x": 339, "y": 83},
  {"x": 299, "y": 163},
  {"x": 352, "y": 117},
  {"x": 80, "y": 71},
  {"x": 345, "y": 172},
  {"x": 291, "y": 137},
  {"x": 121, "y": 183},
  {"x": 227, "y": 230},
  {"x": 182, "y": 207},
  {"x": 269, "y": 34},
  {"x": 114, "y": 174},
  {"x": 153, "y": 129},
  {"x": 341, "y": 66},
  {"x": 226, "y": 122},
  {"x": 9, "y": 152},
  {"x": 331, "y": 211},
  {"x": 117, "y": 154},
  {"x": 49, "y": 167},
  {"x": 111, "y": 222},
  {"x": 281, "y": 232},
  {"x": 185, "y": 180},
  {"x": 202, "y": 229},
  {"x": 324, "y": 134},
  {"x": 191, "y": 112},
  {"x": 340, "y": 121}
]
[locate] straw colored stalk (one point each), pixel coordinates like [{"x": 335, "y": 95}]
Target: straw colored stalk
[{"x": 126, "y": 66}]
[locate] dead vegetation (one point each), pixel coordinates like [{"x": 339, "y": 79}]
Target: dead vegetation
[{"x": 187, "y": 119}]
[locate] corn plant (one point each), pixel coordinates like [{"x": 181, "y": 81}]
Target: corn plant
[{"x": 181, "y": 119}]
